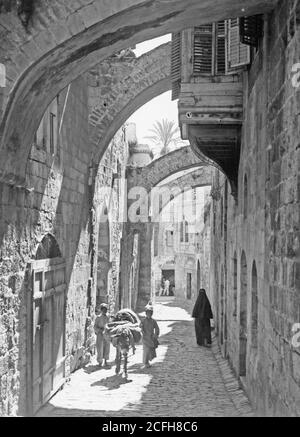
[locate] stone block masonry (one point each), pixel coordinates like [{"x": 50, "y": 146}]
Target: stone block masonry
[
  {"x": 56, "y": 204},
  {"x": 258, "y": 237}
]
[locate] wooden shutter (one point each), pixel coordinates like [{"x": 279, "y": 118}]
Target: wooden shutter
[
  {"x": 238, "y": 53},
  {"x": 176, "y": 65},
  {"x": 220, "y": 47},
  {"x": 251, "y": 30},
  {"x": 203, "y": 50}
]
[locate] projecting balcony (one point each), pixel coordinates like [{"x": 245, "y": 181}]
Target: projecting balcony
[
  {"x": 208, "y": 64},
  {"x": 210, "y": 101}
]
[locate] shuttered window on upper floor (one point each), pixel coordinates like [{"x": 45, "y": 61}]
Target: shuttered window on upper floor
[
  {"x": 238, "y": 53},
  {"x": 176, "y": 65},
  {"x": 203, "y": 49},
  {"x": 251, "y": 30},
  {"x": 217, "y": 48},
  {"x": 221, "y": 47}
]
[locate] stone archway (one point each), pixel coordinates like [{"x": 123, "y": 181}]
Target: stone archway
[
  {"x": 163, "y": 167},
  {"x": 149, "y": 177},
  {"x": 201, "y": 177},
  {"x": 118, "y": 87},
  {"x": 56, "y": 42}
]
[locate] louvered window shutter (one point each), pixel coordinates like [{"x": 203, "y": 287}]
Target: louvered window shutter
[
  {"x": 251, "y": 30},
  {"x": 176, "y": 65},
  {"x": 203, "y": 50},
  {"x": 238, "y": 53},
  {"x": 221, "y": 48}
]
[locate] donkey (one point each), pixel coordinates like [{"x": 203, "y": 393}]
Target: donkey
[{"x": 124, "y": 332}]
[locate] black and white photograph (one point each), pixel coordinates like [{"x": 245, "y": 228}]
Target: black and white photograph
[{"x": 149, "y": 211}]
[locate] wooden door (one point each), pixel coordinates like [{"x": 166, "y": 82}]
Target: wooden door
[{"x": 47, "y": 345}]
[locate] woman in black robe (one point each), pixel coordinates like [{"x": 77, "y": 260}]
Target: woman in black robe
[{"x": 202, "y": 314}]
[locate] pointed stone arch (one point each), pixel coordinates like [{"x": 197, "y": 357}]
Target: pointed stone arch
[
  {"x": 70, "y": 38},
  {"x": 48, "y": 248}
]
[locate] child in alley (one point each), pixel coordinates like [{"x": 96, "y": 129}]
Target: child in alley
[
  {"x": 150, "y": 331},
  {"x": 102, "y": 343}
]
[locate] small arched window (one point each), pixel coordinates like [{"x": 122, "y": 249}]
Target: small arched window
[{"x": 48, "y": 248}]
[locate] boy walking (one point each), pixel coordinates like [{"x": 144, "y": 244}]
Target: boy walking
[
  {"x": 150, "y": 331},
  {"x": 102, "y": 344}
]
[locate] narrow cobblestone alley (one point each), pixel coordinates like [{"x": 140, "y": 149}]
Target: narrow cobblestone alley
[{"x": 184, "y": 380}]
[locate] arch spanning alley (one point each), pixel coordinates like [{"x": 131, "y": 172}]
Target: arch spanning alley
[
  {"x": 58, "y": 41},
  {"x": 159, "y": 169},
  {"x": 114, "y": 97},
  {"x": 149, "y": 177},
  {"x": 201, "y": 177}
]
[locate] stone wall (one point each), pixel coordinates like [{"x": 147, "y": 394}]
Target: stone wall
[
  {"x": 64, "y": 39},
  {"x": 204, "y": 254},
  {"x": 57, "y": 203},
  {"x": 110, "y": 194},
  {"x": 255, "y": 241}
]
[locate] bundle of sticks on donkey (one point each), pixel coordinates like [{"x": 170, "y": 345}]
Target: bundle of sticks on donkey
[{"x": 124, "y": 331}]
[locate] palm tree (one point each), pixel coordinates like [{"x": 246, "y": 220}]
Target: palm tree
[{"x": 164, "y": 134}]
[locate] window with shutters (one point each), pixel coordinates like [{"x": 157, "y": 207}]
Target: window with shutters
[
  {"x": 209, "y": 50},
  {"x": 221, "y": 47},
  {"x": 238, "y": 53},
  {"x": 251, "y": 30},
  {"x": 203, "y": 49},
  {"x": 217, "y": 48},
  {"x": 176, "y": 64}
]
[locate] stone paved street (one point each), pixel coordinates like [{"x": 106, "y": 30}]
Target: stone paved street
[{"x": 184, "y": 380}]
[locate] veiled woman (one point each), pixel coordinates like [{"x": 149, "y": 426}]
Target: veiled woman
[{"x": 202, "y": 314}]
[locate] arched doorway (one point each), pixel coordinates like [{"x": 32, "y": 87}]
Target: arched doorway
[
  {"x": 243, "y": 317},
  {"x": 222, "y": 308},
  {"x": 46, "y": 324},
  {"x": 254, "y": 307}
]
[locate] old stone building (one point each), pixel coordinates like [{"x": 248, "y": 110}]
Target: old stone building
[
  {"x": 250, "y": 131},
  {"x": 176, "y": 247},
  {"x": 67, "y": 86}
]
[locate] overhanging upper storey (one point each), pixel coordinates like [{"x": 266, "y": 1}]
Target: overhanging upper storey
[{"x": 208, "y": 64}]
